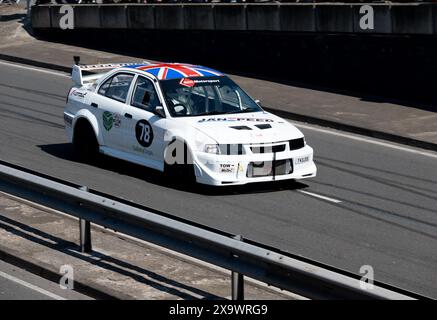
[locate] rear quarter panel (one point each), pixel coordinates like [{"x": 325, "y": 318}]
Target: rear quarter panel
[{"x": 79, "y": 106}]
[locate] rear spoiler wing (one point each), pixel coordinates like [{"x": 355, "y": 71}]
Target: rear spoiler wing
[{"x": 79, "y": 79}]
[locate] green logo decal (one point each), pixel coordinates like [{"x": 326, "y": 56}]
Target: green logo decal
[{"x": 108, "y": 120}]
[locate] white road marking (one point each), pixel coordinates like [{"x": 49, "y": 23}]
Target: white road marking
[
  {"x": 31, "y": 286},
  {"x": 34, "y": 69},
  {"x": 320, "y": 196},
  {"x": 368, "y": 140}
]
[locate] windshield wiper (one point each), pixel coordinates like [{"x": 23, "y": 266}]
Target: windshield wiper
[
  {"x": 210, "y": 113},
  {"x": 243, "y": 111}
]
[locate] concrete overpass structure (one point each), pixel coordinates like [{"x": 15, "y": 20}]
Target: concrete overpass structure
[{"x": 389, "y": 18}]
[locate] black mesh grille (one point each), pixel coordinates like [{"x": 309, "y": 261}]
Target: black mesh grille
[{"x": 268, "y": 149}]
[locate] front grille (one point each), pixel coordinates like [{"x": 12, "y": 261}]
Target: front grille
[
  {"x": 269, "y": 168},
  {"x": 268, "y": 149},
  {"x": 231, "y": 149},
  {"x": 297, "y": 144}
]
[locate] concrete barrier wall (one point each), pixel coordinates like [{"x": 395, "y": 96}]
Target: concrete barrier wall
[
  {"x": 230, "y": 17},
  {"x": 55, "y": 16},
  {"x": 336, "y": 18},
  {"x": 298, "y": 18},
  {"x": 87, "y": 16},
  {"x": 113, "y": 17},
  {"x": 382, "y": 19},
  {"x": 40, "y": 17},
  {"x": 412, "y": 19},
  {"x": 263, "y": 17},
  {"x": 199, "y": 18},
  {"x": 141, "y": 17},
  {"x": 416, "y": 18},
  {"x": 169, "y": 17}
]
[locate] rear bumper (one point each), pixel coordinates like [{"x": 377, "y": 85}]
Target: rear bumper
[
  {"x": 68, "y": 122},
  {"x": 221, "y": 170}
]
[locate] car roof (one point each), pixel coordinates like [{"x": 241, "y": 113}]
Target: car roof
[{"x": 168, "y": 71}]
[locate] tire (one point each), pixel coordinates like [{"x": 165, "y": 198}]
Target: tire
[
  {"x": 180, "y": 172},
  {"x": 84, "y": 141}
]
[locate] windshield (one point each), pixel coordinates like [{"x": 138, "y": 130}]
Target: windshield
[{"x": 199, "y": 96}]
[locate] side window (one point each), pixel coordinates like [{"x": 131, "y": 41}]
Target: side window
[
  {"x": 229, "y": 96},
  {"x": 144, "y": 96},
  {"x": 117, "y": 87},
  {"x": 105, "y": 86}
]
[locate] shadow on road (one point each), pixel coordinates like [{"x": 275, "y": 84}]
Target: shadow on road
[{"x": 65, "y": 151}]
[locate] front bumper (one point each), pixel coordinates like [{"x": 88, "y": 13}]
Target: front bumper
[{"x": 220, "y": 170}]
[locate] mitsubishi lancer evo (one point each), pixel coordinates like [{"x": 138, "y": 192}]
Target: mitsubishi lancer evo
[{"x": 186, "y": 120}]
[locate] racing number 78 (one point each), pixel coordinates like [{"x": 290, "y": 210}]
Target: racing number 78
[{"x": 145, "y": 132}]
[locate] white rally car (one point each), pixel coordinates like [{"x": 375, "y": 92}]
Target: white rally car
[{"x": 183, "y": 119}]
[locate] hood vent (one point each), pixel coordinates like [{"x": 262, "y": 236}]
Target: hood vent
[
  {"x": 241, "y": 128},
  {"x": 263, "y": 126}
]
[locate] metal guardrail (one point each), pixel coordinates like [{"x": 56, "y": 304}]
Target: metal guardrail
[
  {"x": 249, "y": 259},
  {"x": 10, "y": 1}
]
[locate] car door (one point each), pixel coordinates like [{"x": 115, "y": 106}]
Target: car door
[
  {"x": 144, "y": 130},
  {"x": 110, "y": 104}
]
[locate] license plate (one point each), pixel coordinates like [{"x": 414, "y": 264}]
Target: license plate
[{"x": 301, "y": 160}]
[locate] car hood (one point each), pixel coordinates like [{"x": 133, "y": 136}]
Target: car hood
[{"x": 256, "y": 127}]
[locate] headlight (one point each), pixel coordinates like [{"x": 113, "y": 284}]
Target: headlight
[{"x": 212, "y": 148}]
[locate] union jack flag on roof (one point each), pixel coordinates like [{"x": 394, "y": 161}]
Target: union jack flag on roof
[{"x": 167, "y": 71}]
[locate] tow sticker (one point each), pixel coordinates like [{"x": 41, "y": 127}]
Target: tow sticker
[{"x": 144, "y": 133}]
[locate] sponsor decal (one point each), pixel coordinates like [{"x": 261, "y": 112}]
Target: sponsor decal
[
  {"x": 78, "y": 94},
  {"x": 108, "y": 120},
  {"x": 111, "y": 120},
  {"x": 187, "y": 82},
  {"x": 240, "y": 168},
  {"x": 227, "y": 168},
  {"x": 144, "y": 133},
  {"x": 142, "y": 150},
  {"x": 201, "y": 81},
  {"x": 231, "y": 119},
  {"x": 117, "y": 120}
]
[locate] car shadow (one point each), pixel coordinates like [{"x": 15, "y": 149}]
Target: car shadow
[{"x": 65, "y": 151}]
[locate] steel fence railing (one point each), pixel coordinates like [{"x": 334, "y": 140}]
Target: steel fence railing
[
  {"x": 247, "y": 258},
  {"x": 219, "y": 1}
]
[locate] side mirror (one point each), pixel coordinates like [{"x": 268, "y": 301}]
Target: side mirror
[
  {"x": 257, "y": 101},
  {"x": 159, "y": 111}
]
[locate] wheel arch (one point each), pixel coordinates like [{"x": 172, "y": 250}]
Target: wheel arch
[
  {"x": 170, "y": 138},
  {"x": 86, "y": 115}
]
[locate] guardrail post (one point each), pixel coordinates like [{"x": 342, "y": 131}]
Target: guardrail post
[
  {"x": 237, "y": 280},
  {"x": 85, "y": 232}
]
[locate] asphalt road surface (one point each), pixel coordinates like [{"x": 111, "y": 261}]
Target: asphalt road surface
[
  {"x": 372, "y": 203},
  {"x": 19, "y": 284}
]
